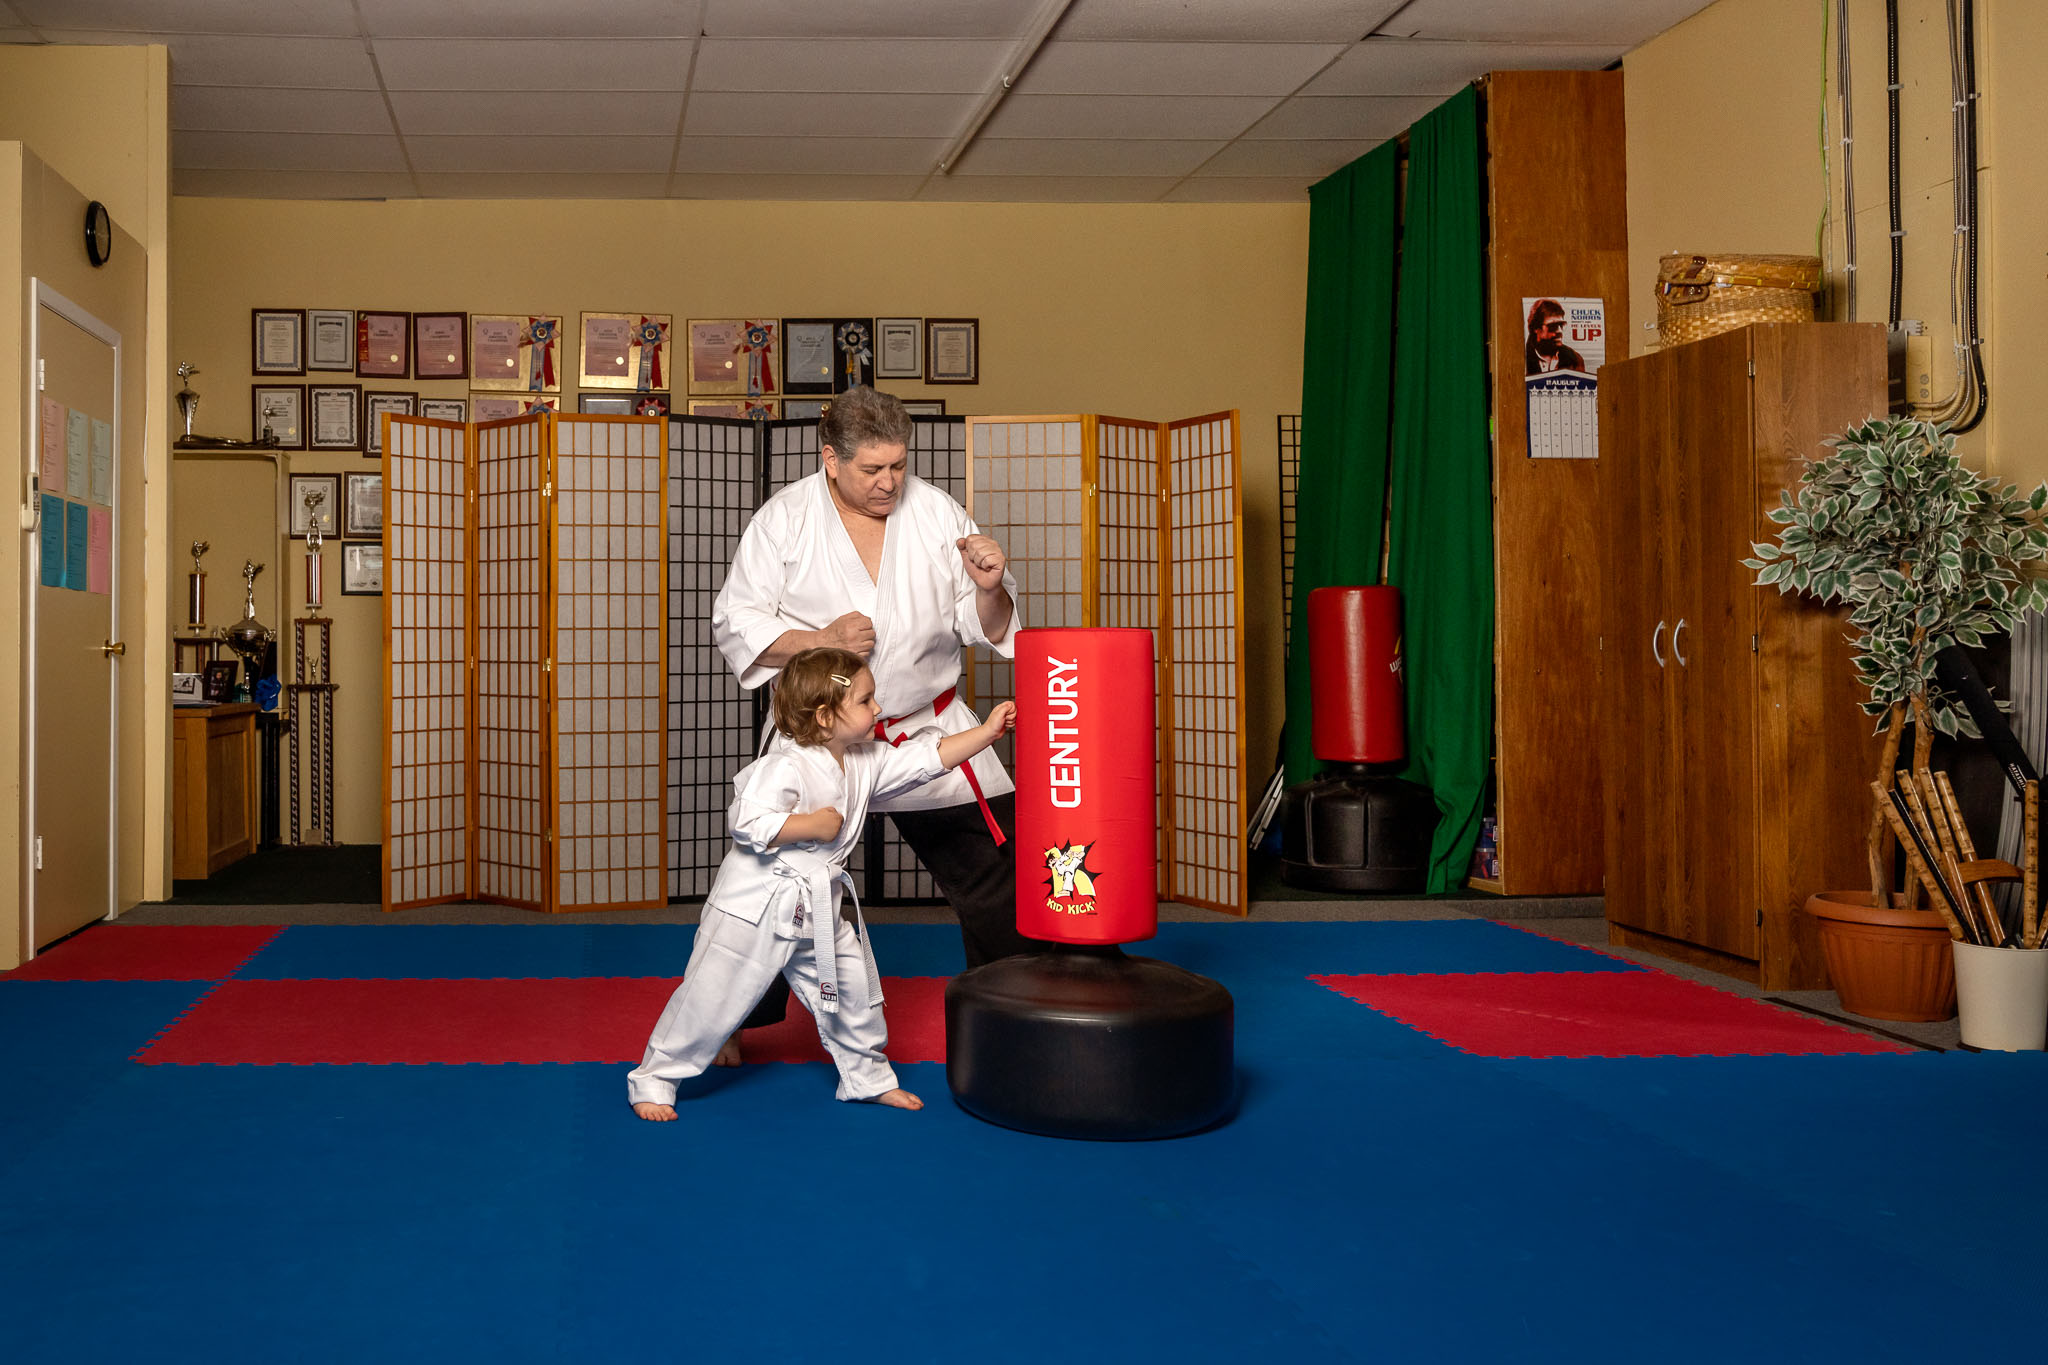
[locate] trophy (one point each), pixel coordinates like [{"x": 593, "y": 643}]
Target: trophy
[
  {"x": 313, "y": 497},
  {"x": 248, "y": 637},
  {"x": 188, "y": 401},
  {"x": 195, "y": 589}
]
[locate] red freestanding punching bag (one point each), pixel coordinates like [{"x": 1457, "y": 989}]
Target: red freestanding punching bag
[
  {"x": 1087, "y": 789},
  {"x": 1354, "y": 662}
]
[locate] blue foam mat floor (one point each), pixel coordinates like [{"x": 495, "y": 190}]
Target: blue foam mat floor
[{"x": 1378, "y": 1197}]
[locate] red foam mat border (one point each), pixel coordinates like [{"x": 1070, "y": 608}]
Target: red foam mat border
[{"x": 149, "y": 952}]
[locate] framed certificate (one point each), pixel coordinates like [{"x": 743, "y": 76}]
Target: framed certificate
[
  {"x": 440, "y": 345},
  {"x": 807, "y": 360},
  {"x": 899, "y": 348},
  {"x": 331, "y": 339},
  {"x": 277, "y": 341},
  {"x": 612, "y": 404},
  {"x": 743, "y": 409},
  {"x": 925, "y": 407},
  {"x": 362, "y": 568},
  {"x": 362, "y": 505},
  {"x": 736, "y": 355},
  {"x": 952, "y": 350},
  {"x": 322, "y": 509},
  {"x": 804, "y": 409},
  {"x": 336, "y": 417},
  {"x": 280, "y": 409},
  {"x": 515, "y": 351},
  {"x": 445, "y": 409},
  {"x": 383, "y": 345},
  {"x": 624, "y": 351},
  {"x": 495, "y": 407},
  {"x": 375, "y": 405}
]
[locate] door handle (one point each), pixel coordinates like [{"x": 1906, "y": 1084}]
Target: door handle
[
  {"x": 1655, "y": 636},
  {"x": 1674, "y": 642},
  {"x": 113, "y": 647}
]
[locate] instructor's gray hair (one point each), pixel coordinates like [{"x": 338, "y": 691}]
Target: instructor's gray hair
[{"x": 861, "y": 416}]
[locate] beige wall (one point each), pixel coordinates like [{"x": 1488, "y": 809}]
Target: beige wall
[
  {"x": 1145, "y": 311},
  {"x": 1724, "y": 155}
]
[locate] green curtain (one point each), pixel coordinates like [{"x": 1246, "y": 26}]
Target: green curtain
[
  {"x": 1346, "y": 385},
  {"x": 1441, "y": 551}
]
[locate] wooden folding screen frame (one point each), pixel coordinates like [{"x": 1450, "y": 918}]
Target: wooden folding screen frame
[
  {"x": 511, "y": 547},
  {"x": 1156, "y": 511}
]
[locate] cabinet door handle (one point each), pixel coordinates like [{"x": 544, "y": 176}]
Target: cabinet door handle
[
  {"x": 1655, "y": 637},
  {"x": 1674, "y": 642}
]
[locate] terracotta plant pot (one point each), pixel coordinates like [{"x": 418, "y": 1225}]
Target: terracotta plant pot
[{"x": 1885, "y": 964}]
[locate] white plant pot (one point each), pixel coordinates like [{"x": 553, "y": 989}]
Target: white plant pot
[{"x": 2002, "y": 997}]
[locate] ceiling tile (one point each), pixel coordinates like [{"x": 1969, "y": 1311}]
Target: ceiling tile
[
  {"x": 851, "y": 188},
  {"x": 306, "y": 18},
  {"x": 1046, "y": 189},
  {"x": 1125, "y": 116},
  {"x": 1621, "y": 24},
  {"x": 1343, "y": 116},
  {"x": 721, "y": 114},
  {"x": 852, "y": 65},
  {"x": 529, "y": 18},
  {"x": 1395, "y": 66},
  {"x": 1224, "y": 189},
  {"x": 543, "y": 185},
  {"x": 1006, "y": 19},
  {"x": 1079, "y": 157},
  {"x": 603, "y": 64},
  {"x": 293, "y": 184},
  {"x": 810, "y": 155},
  {"x": 629, "y": 113},
  {"x": 1297, "y": 21},
  {"x": 216, "y": 108},
  {"x": 286, "y": 152},
  {"x": 18, "y": 35},
  {"x": 1071, "y": 68},
  {"x": 217, "y": 59},
  {"x": 647, "y": 155},
  {"x": 1314, "y": 159}
]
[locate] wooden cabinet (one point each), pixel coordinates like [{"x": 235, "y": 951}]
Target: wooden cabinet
[
  {"x": 1736, "y": 756},
  {"x": 214, "y": 787}
]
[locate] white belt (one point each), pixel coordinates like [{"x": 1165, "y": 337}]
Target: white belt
[{"x": 814, "y": 878}]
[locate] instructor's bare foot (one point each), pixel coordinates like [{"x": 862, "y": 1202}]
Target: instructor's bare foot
[
  {"x": 898, "y": 1098},
  {"x": 729, "y": 1055},
  {"x": 655, "y": 1113}
]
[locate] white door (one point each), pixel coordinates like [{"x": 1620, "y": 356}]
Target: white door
[{"x": 74, "y": 621}]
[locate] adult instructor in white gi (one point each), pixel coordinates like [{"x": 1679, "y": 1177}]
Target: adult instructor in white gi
[{"x": 866, "y": 556}]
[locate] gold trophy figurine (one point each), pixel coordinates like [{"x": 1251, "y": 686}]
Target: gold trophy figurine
[
  {"x": 195, "y": 590},
  {"x": 313, "y": 497}
]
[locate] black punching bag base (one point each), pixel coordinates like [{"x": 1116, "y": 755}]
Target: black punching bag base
[{"x": 1085, "y": 1042}]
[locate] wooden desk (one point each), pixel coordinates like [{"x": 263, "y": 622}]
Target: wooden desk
[{"x": 214, "y": 794}]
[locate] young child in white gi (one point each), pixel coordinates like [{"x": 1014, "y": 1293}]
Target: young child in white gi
[{"x": 774, "y": 907}]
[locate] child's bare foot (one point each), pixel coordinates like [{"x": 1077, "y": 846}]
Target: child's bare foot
[
  {"x": 898, "y": 1098},
  {"x": 729, "y": 1055},
  {"x": 655, "y": 1113}
]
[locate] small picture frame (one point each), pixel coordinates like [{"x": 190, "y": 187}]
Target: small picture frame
[
  {"x": 808, "y": 355},
  {"x": 925, "y": 407},
  {"x": 334, "y": 417},
  {"x": 362, "y": 506},
  {"x": 383, "y": 347},
  {"x": 952, "y": 350},
  {"x": 331, "y": 339},
  {"x": 496, "y": 407},
  {"x": 220, "y": 680},
  {"x": 282, "y": 409},
  {"x": 445, "y": 409},
  {"x": 440, "y": 345},
  {"x": 362, "y": 568},
  {"x": 899, "y": 348},
  {"x": 375, "y": 405},
  {"x": 515, "y": 351},
  {"x": 804, "y": 409},
  {"x": 277, "y": 341},
  {"x": 611, "y": 404},
  {"x": 329, "y": 514}
]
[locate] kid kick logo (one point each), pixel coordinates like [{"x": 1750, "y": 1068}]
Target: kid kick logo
[{"x": 1073, "y": 885}]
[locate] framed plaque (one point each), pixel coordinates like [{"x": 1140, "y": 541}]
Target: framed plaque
[
  {"x": 515, "y": 351},
  {"x": 362, "y": 568},
  {"x": 277, "y": 341},
  {"x": 609, "y": 404},
  {"x": 952, "y": 350},
  {"x": 925, "y": 407},
  {"x": 375, "y": 405},
  {"x": 383, "y": 345},
  {"x": 445, "y": 409},
  {"x": 362, "y": 506},
  {"x": 331, "y": 339},
  {"x": 899, "y": 348},
  {"x": 334, "y": 418},
  {"x": 624, "y": 351},
  {"x": 440, "y": 345},
  {"x": 282, "y": 409},
  {"x": 804, "y": 409},
  {"x": 742, "y": 409},
  {"x": 807, "y": 355},
  {"x": 495, "y": 407},
  {"x": 328, "y": 513}
]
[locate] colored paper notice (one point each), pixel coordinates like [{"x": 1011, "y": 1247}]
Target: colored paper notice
[
  {"x": 102, "y": 463},
  {"x": 77, "y": 444},
  {"x": 77, "y": 545},
  {"x": 53, "y": 446},
  {"x": 99, "y": 550},
  {"x": 50, "y": 544}
]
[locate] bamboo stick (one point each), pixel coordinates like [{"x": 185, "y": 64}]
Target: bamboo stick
[
  {"x": 2030, "y": 855},
  {"x": 1936, "y": 853},
  {"x": 1878, "y": 854},
  {"x": 1892, "y": 807},
  {"x": 1927, "y": 802},
  {"x": 1966, "y": 852}
]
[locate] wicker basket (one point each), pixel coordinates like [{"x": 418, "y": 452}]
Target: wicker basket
[{"x": 1698, "y": 296}]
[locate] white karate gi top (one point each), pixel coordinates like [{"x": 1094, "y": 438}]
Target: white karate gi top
[
  {"x": 793, "y": 778},
  {"x": 796, "y": 568}
]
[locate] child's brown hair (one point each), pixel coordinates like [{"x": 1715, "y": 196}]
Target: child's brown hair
[{"x": 814, "y": 679}]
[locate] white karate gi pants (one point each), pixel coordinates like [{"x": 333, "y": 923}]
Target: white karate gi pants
[{"x": 730, "y": 968}]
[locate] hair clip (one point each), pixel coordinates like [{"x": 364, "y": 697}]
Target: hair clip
[{"x": 843, "y": 682}]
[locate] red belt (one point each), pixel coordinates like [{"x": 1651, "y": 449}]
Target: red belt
[{"x": 939, "y": 704}]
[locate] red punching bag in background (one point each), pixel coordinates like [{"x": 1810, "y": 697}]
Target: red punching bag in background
[
  {"x": 1354, "y": 660},
  {"x": 1087, "y": 787}
]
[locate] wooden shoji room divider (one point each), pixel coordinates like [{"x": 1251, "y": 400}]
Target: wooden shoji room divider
[
  {"x": 1115, "y": 522},
  {"x": 525, "y": 578}
]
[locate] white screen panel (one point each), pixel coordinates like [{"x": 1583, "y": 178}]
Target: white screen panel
[{"x": 511, "y": 736}]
